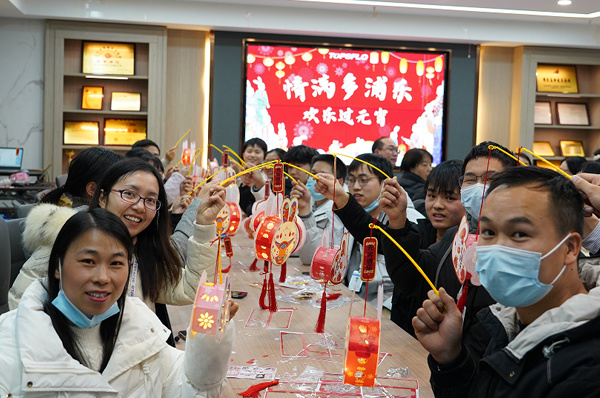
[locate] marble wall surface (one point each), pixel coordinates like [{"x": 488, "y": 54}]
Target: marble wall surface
[{"x": 22, "y": 87}]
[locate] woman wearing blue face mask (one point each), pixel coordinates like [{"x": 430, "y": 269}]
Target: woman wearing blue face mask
[
  {"x": 77, "y": 332},
  {"x": 315, "y": 209}
]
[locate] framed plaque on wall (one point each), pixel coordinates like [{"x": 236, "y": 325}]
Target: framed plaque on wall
[{"x": 108, "y": 58}]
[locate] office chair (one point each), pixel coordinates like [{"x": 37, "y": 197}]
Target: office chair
[
  {"x": 5, "y": 266},
  {"x": 17, "y": 254}
]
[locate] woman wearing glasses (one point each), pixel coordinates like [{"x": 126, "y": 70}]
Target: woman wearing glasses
[{"x": 166, "y": 269}]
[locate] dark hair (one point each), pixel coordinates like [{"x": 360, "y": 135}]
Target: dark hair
[
  {"x": 279, "y": 152},
  {"x": 158, "y": 260},
  {"x": 591, "y": 167},
  {"x": 376, "y": 160},
  {"x": 88, "y": 166},
  {"x": 300, "y": 154},
  {"x": 574, "y": 163},
  {"x": 145, "y": 143},
  {"x": 525, "y": 158},
  {"x": 340, "y": 167},
  {"x": 147, "y": 156},
  {"x": 255, "y": 142},
  {"x": 412, "y": 158},
  {"x": 378, "y": 144},
  {"x": 76, "y": 226},
  {"x": 566, "y": 203},
  {"x": 482, "y": 150},
  {"x": 444, "y": 177}
]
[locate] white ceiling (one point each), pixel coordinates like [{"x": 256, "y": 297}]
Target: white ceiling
[{"x": 499, "y": 22}]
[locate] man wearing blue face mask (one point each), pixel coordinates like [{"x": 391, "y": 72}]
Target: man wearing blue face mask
[
  {"x": 314, "y": 209},
  {"x": 546, "y": 326}
]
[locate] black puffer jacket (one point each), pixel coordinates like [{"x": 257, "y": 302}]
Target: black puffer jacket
[
  {"x": 413, "y": 185},
  {"x": 558, "y": 355}
]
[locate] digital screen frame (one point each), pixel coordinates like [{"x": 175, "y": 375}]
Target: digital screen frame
[{"x": 341, "y": 98}]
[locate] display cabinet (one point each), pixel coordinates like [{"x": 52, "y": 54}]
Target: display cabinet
[{"x": 72, "y": 96}]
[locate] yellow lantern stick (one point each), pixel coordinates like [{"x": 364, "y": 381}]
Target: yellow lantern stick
[
  {"x": 233, "y": 160},
  {"x": 553, "y": 166},
  {"x": 203, "y": 182},
  {"x": 194, "y": 160},
  {"x": 235, "y": 154},
  {"x": 407, "y": 256},
  {"x": 251, "y": 169},
  {"x": 301, "y": 169},
  {"x": 362, "y": 161},
  {"x": 182, "y": 137},
  {"x": 506, "y": 153}
]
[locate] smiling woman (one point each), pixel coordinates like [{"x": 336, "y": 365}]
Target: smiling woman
[{"x": 84, "y": 334}]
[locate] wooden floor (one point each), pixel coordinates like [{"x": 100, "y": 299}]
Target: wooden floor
[{"x": 295, "y": 349}]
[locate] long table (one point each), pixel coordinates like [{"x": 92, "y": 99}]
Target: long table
[{"x": 258, "y": 345}]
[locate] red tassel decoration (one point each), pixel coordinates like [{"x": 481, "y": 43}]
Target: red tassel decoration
[
  {"x": 263, "y": 294},
  {"x": 266, "y": 267},
  {"x": 283, "y": 272},
  {"x": 320, "y": 328},
  {"x": 462, "y": 300},
  {"x": 226, "y": 270},
  {"x": 254, "y": 390},
  {"x": 272, "y": 300},
  {"x": 253, "y": 266}
]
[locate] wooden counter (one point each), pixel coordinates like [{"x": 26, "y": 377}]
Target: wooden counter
[{"x": 263, "y": 346}]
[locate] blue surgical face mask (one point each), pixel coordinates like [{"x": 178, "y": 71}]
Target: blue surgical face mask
[
  {"x": 74, "y": 314},
  {"x": 471, "y": 198},
  {"x": 310, "y": 184},
  {"x": 511, "y": 275},
  {"x": 372, "y": 206}
]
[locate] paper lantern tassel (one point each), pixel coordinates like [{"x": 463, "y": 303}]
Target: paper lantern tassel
[
  {"x": 320, "y": 328},
  {"x": 263, "y": 294},
  {"x": 283, "y": 273},
  {"x": 253, "y": 266},
  {"x": 462, "y": 300},
  {"x": 254, "y": 390},
  {"x": 272, "y": 300}
]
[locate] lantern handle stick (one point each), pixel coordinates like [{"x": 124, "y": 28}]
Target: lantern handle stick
[
  {"x": 182, "y": 137},
  {"x": 301, "y": 169},
  {"x": 205, "y": 180},
  {"x": 547, "y": 162},
  {"x": 362, "y": 161},
  {"x": 371, "y": 225},
  {"x": 292, "y": 178},
  {"x": 506, "y": 153},
  {"x": 251, "y": 169}
]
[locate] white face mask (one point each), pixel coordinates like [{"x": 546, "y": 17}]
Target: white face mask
[{"x": 471, "y": 198}]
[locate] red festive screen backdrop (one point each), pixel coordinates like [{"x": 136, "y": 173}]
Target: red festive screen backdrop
[{"x": 343, "y": 99}]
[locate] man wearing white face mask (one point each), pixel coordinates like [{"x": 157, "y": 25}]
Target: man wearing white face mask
[
  {"x": 316, "y": 210},
  {"x": 546, "y": 326}
]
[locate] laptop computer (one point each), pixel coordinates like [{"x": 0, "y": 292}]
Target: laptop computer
[{"x": 11, "y": 160}]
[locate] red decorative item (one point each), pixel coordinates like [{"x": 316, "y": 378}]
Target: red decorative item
[
  {"x": 278, "y": 184},
  {"x": 228, "y": 246},
  {"x": 330, "y": 264},
  {"x": 235, "y": 217},
  {"x": 186, "y": 156},
  {"x": 224, "y": 158},
  {"x": 276, "y": 236},
  {"x": 369, "y": 259},
  {"x": 362, "y": 351},
  {"x": 255, "y": 390}
]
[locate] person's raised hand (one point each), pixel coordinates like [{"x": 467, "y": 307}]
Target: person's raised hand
[
  {"x": 393, "y": 202},
  {"x": 589, "y": 186},
  {"x": 170, "y": 155},
  {"x": 438, "y": 326},
  {"x": 233, "y": 308},
  {"x": 170, "y": 171},
  {"x": 301, "y": 192},
  {"x": 211, "y": 205},
  {"x": 186, "y": 186},
  {"x": 181, "y": 204},
  {"x": 325, "y": 186}
]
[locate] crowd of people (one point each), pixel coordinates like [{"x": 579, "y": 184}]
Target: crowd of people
[{"x": 123, "y": 238}]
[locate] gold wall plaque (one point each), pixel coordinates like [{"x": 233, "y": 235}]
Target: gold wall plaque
[
  {"x": 123, "y": 132},
  {"x": 92, "y": 97},
  {"x": 556, "y": 79},
  {"x": 125, "y": 101},
  {"x": 108, "y": 58},
  {"x": 81, "y": 133}
]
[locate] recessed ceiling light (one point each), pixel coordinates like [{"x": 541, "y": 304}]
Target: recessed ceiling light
[{"x": 564, "y": 2}]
